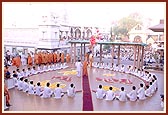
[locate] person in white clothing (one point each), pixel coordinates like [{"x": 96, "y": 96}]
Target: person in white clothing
[
  {"x": 25, "y": 85},
  {"x": 44, "y": 68},
  {"x": 101, "y": 65},
  {"x": 31, "y": 88},
  {"x": 141, "y": 92},
  {"x": 49, "y": 67},
  {"x": 110, "y": 94},
  {"x": 33, "y": 71},
  {"x": 47, "y": 91},
  {"x": 15, "y": 77},
  {"x": 162, "y": 101},
  {"x": 122, "y": 95},
  {"x": 78, "y": 68},
  {"x": 20, "y": 84},
  {"x": 148, "y": 92},
  {"x": 100, "y": 93},
  {"x": 39, "y": 70},
  {"x": 23, "y": 73},
  {"x": 152, "y": 89},
  {"x": 18, "y": 73},
  {"x": 142, "y": 73},
  {"x": 155, "y": 83},
  {"x": 122, "y": 69},
  {"x": 52, "y": 67},
  {"x": 28, "y": 72},
  {"x": 38, "y": 90},
  {"x": 132, "y": 96},
  {"x": 58, "y": 92},
  {"x": 71, "y": 91}
]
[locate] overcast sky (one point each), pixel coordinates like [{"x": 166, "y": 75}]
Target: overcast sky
[{"x": 102, "y": 14}]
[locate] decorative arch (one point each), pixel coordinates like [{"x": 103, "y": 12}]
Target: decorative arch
[
  {"x": 88, "y": 33},
  {"x": 138, "y": 39},
  {"x": 77, "y": 33}
]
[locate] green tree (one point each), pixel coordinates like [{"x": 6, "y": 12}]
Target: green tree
[{"x": 125, "y": 24}]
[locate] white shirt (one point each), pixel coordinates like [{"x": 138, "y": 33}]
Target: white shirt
[
  {"x": 141, "y": 93},
  {"x": 33, "y": 71},
  {"x": 20, "y": 85},
  {"x": 58, "y": 92},
  {"x": 148, "y": 92},
  {"x": 132, "y": 95},
  {"x": 31, "y": 89},
  {"x": 23, "y": 73},
  {"x": 71, "y": 91},
  {"x": 110, "y": 95},
  {"x": 100, "y": 93},
  {"x": 25, "y": 87},
  {"x": 47, "y": 92},
  {"x": 38, "y": 90},
  {"x": 122, "y": 96},
  {"x": 78, "y": 66}
]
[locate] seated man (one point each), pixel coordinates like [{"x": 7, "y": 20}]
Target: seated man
[
  {"x": 148, "y": 92},
  {"x": 100, "y": 93},
  {"x": 38, "y": 90},
  {"x": 71, "y": 91},
  {"x": 39, "y": 70},
  {"x": 20, "y": 84},
  {"x": 33, "y": 70},
  {"x": 141, "y": 92},
  {"x": 31, "y": 88},
  {"x": 132, "y": 95},
  {"x": 25, "y": 85},
  {"x": 122, "y": 69},
  {"x": 58, "y": 92},
  {"x": 47, "y": 91},
  {"x": 28, "y": 72},
  {"x": 122, "y": 95},
  {"x": 23, "y": 73},
  {"x": 110, "y": 94}
]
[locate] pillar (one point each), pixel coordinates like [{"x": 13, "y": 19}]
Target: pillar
[
  {"x": 118, "y": 59},
  {"x": 142, "y": 57},
  {"x": 112, "y": 54},
  {"x": 100, "y": 52},
  {"x": 84, "y": 50},
  {"x": 134, "y": 64},
  {"x": 74, "y": 52},
  {"x": 71, "y": 52},
  {"x": 139, "y": 52},
  {"x": 81, "y": 51}
]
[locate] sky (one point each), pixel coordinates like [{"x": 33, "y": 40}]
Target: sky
[{"x": 98, "y": 14}]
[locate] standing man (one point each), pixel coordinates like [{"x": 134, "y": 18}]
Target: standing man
[
  {"x": 85, "y": 64},
  {"x": 78, "y": 68}
]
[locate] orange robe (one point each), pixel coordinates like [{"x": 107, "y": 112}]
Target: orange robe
[
  {"x": 36, "y": 59},
  {"x": 58, "y": 57},
  {"x": 68, "y": 58},
  {"x": 43, "y": 58},
  {"x": 39, "y": 58},
  {"x": 85, "y": 63},
  {"x": 50, "y": 57},
  {"x": 13, "y": 62},
  {"x": 18, "y": 62},
  {"x": 30, "y": 60},
  {"x": 55, "y": 57},
  {"x": 6, "y": 92},
  {"x": 62, "y": 57}
]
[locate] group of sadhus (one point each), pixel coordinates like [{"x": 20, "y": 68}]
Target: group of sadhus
[{"x": 42, "y": 58}]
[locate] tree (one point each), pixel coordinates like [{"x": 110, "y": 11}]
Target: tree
[{"x": 125, "y": 24}]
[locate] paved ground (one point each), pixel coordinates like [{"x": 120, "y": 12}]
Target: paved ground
[{"x": 23, "y": 102}]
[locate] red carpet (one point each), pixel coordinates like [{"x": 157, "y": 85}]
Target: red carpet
[{"x": 87, "y": 97}]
